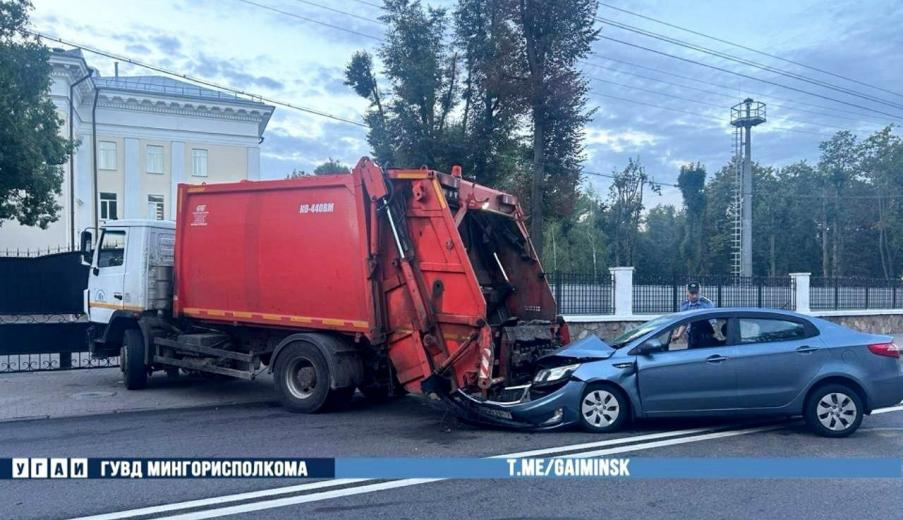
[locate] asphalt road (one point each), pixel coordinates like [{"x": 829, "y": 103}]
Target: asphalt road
[{"x": 414, "y": 427}]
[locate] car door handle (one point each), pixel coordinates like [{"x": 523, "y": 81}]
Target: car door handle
[
  {"x": 117, "y": 295},
  {"x": 805, "y": 349},
  {"x": 717, "y": 358}
]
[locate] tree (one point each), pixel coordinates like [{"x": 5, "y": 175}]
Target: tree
[
  {"x": 658, "y": 244},
  {"x": 331, "y": 167},
  {"x": 838, "y": 167},
  {"x": 624, "y": 210},
  {"x": 692, "y": 187},
  {"x": 556, "y": 36},
  {"x": 414, "y": 126},
  {"x": 32, "y": 151},
  {"x": 881, "y": 156},
  {"x": 492, "y": 102}
]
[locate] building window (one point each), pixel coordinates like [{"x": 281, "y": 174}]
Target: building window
[
  {"x": 154, "y": 159},
  {"x": 108, "y": 206},
  {"x": 106, "y": 155},
  {"x": 199, "y": 162},
  {"x": 155, "y": 207}
]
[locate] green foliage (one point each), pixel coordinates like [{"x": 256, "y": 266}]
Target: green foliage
[
  {"x": 692, "y": 187},
  {"x": 413, "y": 126},
  {"x": 578, "y": 243},
  {"x": 31, "y": 149},
  {"x": 331, "y": 167},
  {"x": 624, "y": 210},
  {"x": 503, "y": 96},
  {"x": 659, "y": 242}
]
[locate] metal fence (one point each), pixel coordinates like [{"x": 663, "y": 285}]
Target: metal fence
[
  {"x": 854, "y": 293},
  {"x": 665, "y": 294},
  {"x": 49, "y": 284},
  {"x": 41, "y": 322},
  {"x": 582, "y": 293}
]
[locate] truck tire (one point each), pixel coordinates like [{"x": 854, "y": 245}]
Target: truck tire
[
  {"x": 302, "y": 379},
  {"x": 131, "y": 357}
]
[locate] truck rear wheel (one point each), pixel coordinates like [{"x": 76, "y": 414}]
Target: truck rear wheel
[
  {"x": 302, "y": 379},
  {"x": 131, "y": 357}
]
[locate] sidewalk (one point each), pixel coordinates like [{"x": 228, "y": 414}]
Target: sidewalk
[{"x": 95, "y": 391}]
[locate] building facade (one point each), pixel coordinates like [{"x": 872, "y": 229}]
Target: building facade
[{"x": 138, "y": 137}]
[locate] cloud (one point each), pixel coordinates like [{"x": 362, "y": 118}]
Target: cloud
[
  {"x": 167, "y": 44},
  {"x": 618, "y": 141}
]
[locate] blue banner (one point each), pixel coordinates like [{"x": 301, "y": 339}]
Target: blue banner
[{"x": 452, "y": 468}]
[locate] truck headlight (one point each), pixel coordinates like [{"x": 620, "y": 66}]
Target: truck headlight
[{"x": 551, "y": 375}]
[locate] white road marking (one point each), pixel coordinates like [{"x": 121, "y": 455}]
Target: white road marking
[
  {"x": 672, "y": 442},
  {"x": 607, "y": 442},
  {"x": 356, "y": 490},
  {"x": 223, "y": 499},
  {"x": 383, "y": 486},
  {"x": 888, "y": 409},
  {"x": 335, "y": 483}
]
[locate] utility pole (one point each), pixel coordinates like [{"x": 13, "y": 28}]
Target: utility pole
[{"x": 744, "y": 116}]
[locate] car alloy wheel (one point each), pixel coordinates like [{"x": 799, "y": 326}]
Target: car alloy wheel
[
  {"x": 836, "y": 411},
  {"x": 600, "y": 408}
]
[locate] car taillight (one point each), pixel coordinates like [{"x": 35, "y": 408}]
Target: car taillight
[{"x": 885, "y": 349}]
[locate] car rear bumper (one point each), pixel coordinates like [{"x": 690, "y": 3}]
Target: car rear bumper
[
  {"x": 552, "y": 411},
  {"x": 886, "y": 391}
]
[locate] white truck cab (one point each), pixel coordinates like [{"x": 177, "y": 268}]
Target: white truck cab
[{"x": 131, "y": 269}]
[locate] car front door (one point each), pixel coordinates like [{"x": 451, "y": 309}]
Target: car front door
[
  {"x": 685, "y": 377},
  {"x": 776, "y": 358}
]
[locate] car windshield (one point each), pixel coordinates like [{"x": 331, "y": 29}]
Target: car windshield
[{"x": 634, "y": 333}]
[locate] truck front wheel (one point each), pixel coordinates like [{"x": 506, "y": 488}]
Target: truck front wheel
[
  {"x": 131, "y": 357},
  {"x": 302, "y": 378}
]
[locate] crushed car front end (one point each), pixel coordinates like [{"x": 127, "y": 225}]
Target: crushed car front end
[{"x": 552, "y": 399}]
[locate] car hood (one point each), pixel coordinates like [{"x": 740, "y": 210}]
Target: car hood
[{"x": 586, "y": 349}]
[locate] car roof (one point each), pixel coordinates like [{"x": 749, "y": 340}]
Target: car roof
[{"x": 731, "y": 311}]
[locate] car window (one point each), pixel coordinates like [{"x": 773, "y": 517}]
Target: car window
[
  {"x": 695, "y": 334},
  {"x": 641, "y": 330},
  {"x": 112, "y": 249},
  {"x": 762, "y": 330}
]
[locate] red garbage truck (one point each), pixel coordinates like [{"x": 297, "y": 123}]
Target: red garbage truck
[{"x": 375, "y": 280}]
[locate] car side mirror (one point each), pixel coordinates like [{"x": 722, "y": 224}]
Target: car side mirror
[
  {"x": 649, "y": 346},
  {"x": 87, "y": 247}
]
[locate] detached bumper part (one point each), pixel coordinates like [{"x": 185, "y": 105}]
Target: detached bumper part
[{"x": 548, "y": 412}]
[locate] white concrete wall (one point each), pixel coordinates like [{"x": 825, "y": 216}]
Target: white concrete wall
[{"x": 232, "y": 145}]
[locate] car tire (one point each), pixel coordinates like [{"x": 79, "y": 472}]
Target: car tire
[
  {"x": 834, "y": 410},
  {"x": 131, "y": 357},
  {"x": 602, "y": 408},
  {"x": 302, "y": 378}
]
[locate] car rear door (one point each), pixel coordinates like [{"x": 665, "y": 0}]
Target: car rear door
[
  {"x": 682, "y": 380},
  {"x": 775, "y": 359}
]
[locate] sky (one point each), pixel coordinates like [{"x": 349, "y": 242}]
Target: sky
[{"x": 287, "y": 58}]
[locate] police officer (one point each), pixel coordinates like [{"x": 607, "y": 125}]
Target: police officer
[{"x": 694, "y": 301}]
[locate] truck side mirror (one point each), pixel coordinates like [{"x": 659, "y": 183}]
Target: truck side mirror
[{"x": 87, "y": 247}]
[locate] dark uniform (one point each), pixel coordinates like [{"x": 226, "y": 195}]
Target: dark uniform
[{"x": 703, "y": 332}]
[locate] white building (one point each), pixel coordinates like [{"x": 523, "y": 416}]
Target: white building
[{"x": 152, "y": 133}]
